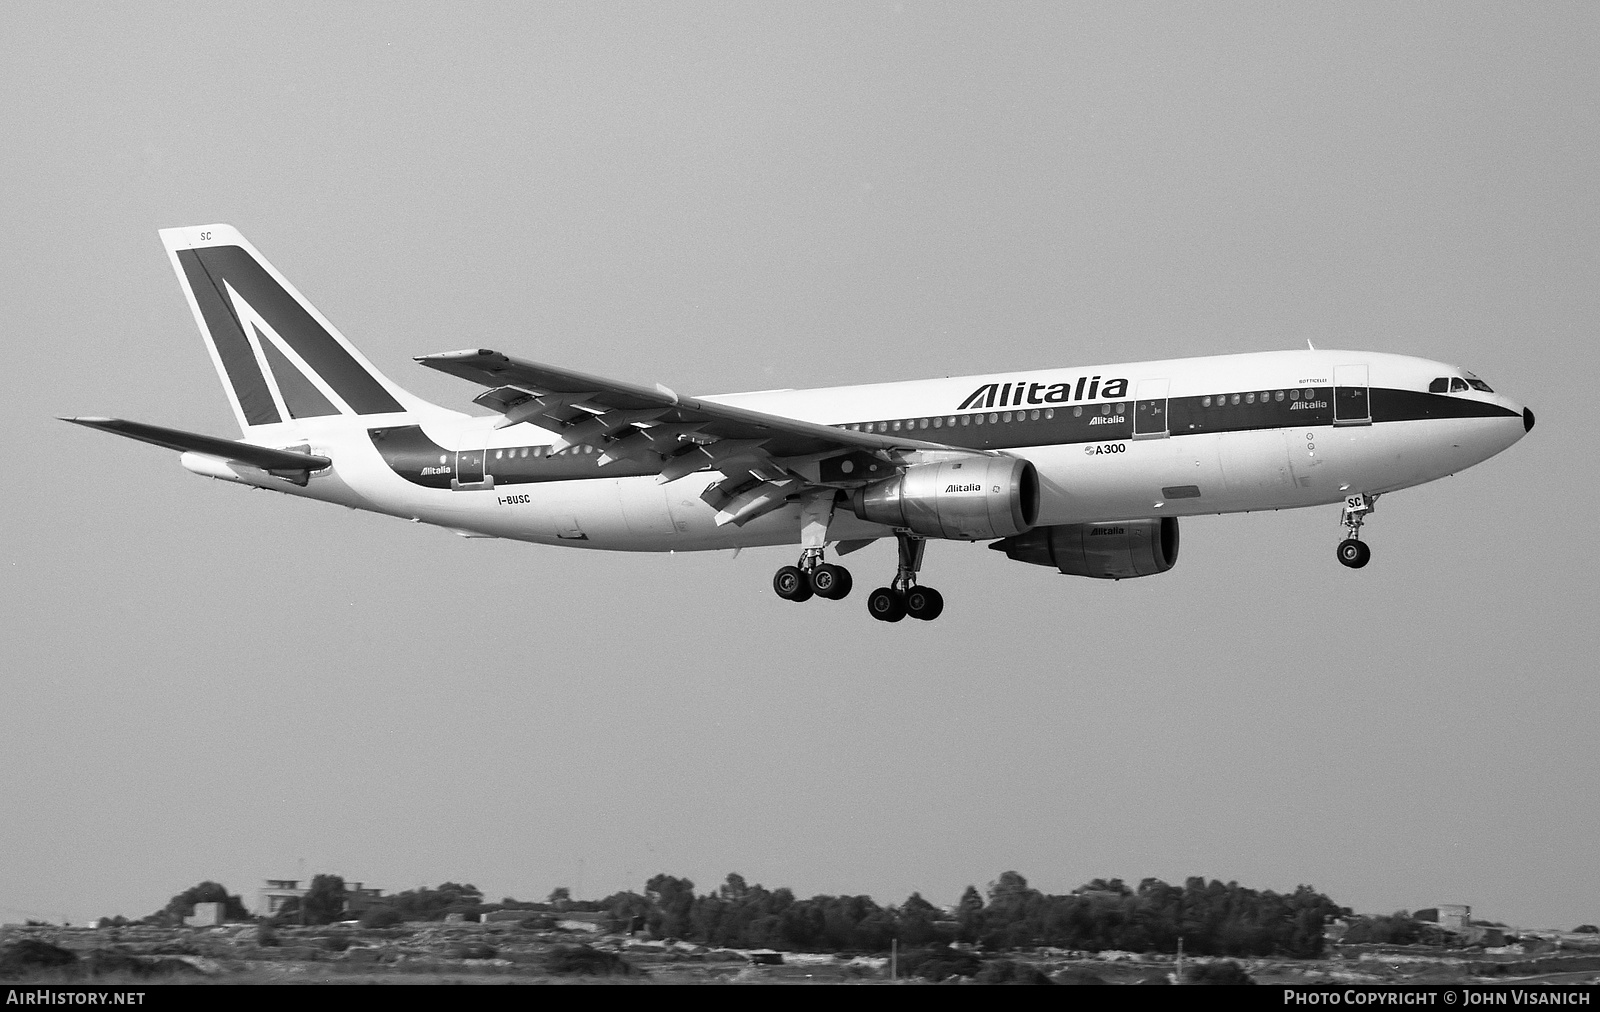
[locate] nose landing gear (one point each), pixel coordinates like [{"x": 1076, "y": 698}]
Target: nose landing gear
[
  {"x": 1352, "y": 551},
  {"x": 904, "y": 597}
]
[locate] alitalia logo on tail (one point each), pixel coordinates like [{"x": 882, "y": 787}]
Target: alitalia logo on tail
[{"x": 1002, "y": 395}]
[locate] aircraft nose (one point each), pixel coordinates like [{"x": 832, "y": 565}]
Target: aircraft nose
[{"x": 1527, "y": 420}]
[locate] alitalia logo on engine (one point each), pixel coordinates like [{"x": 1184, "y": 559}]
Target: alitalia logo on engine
[
  {"x": 1002, "y": 395},
  {"x": 963, "y": 488}
]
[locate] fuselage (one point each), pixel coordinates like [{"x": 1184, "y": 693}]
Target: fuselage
[{"x": 1272, "y": 430}]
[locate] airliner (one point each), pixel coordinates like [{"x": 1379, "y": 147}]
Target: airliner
[{"x": 1083, "y": 470}]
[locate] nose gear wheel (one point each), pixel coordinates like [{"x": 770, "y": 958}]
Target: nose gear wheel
[{"x": 1352, "y": 551}]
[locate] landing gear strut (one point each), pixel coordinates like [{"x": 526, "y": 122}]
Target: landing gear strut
[
  {"x": 812, "y": 576},
  {"x": 904, "y": 597},
  {"x": 1352, "y": 551}
]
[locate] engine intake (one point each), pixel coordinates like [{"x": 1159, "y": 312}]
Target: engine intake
[
  {"x": 972, "y": 499},
  {"x": 1106, "y": 551}
]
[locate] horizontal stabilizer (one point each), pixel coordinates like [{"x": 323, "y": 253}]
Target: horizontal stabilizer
[{"x": 265, "y": 457}]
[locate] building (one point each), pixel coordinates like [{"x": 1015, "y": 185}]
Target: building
[
  {"x": 1454, "y": 917},
  {"x": 270, "y": 898}
]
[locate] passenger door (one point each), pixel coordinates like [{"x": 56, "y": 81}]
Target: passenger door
[
  {"x": 1150, "y": 410},
  {"x": 1351, "y": 405}
]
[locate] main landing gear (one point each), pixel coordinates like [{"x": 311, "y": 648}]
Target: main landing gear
[
  {"x": 904, "y": 597},
  {"x": 1352, "y": 551},
  {"x": 812, "y": 576}
]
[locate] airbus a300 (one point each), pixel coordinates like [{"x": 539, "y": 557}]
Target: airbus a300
[{"x": 1082, "y": 470}]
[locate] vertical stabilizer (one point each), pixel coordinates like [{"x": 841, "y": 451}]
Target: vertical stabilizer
[{"x": 279, "y": 359}]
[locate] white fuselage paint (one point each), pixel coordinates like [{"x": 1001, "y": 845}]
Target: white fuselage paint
[{"x": 1259, "y": 469}]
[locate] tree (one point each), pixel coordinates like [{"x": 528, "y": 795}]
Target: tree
[
  {"x": 969, "y": 915},
  {"x": 916, "y": 916},
  {"x": 560, "y": 897},
  {"x": 671, "y": 904},
  {"x": 324, "y": 903},
  {"x": 735, "y": 888}
]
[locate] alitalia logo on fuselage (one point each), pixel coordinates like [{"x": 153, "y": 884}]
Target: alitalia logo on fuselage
[{"x": 1002, "y": 395}]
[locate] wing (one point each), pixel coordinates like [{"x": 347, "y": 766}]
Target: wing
[{"x": 766, "y": 460}]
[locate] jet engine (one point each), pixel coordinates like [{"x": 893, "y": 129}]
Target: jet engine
[
  {"x": 1107, "y": 551},
  {"x": 971, "y": 499}
]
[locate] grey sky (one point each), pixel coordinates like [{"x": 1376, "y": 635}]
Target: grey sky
[{"x": 206, "y": 682}]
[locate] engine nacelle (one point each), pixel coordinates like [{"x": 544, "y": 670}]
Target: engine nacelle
[
  {"x": 1107, "y": 551},
  {"x": 971, "y": 499}
]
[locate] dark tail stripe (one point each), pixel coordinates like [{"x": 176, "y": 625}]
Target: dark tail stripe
[
  {"x": 300, "y": 395},
  {"x": 238, "y": 361},
  {"x": 353, "y": 383}
]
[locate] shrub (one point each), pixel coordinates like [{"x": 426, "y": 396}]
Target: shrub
[
  {"x": 1225, "y": 972},
  {"x": 30, "y": 954},
  {"x": 381, "y": 917},
  {"x": 1078, "y": 975},
  {"x": 1009, "y": 971},
  {"x": 583, "y": 960},
  {"x": 940, "y": 961}
]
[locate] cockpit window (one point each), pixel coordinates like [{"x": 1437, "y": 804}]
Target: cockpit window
[
  {"x": 1440, "y": 385},
  {"x": 1478, "y": 384},
  {"x": 1457, "y": 385}
]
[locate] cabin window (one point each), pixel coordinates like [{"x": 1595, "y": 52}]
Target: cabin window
[
  {"x": 1310, "y": 393},
  {"x": 1006, "y": 417},
  {"x": 1235, "y": 399},
  {"x": 1250, "y": 398},
  {"x": 1205, "y": 402},
  {"x": 1034, "y": 414},
  {"x": 1294, "y": 395},
  {"x": 1049, "y": 413},
  {"x": 1277, "y": 395},
  {"x": 1077, "y": 412},
  {"x": 1119, "y": 409},
  {"x": 966, "y": 419},
  {"x": 922, "y": 423}
]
